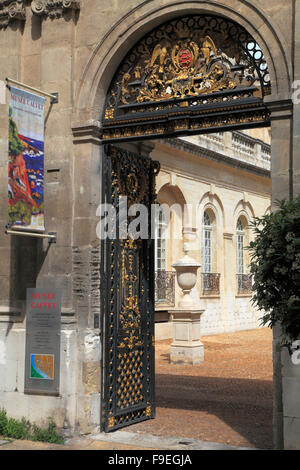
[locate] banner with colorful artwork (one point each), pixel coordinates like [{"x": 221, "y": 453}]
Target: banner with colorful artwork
[{"x": 26, "y": 160}]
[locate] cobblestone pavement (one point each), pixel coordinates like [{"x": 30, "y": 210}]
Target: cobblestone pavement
[{"x": 226, "y": 399}]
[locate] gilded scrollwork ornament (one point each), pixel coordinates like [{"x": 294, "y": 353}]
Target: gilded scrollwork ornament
[
  {"x": 186, "y": 68},
  {"x": 130, "y": 181}
]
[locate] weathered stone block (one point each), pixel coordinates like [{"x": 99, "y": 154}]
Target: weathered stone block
[
  {"x": 56, "y": 64},
  {"x": 57, "y": 201},
  {"x": 84, "y": 231},
  {"x": 53, "y": 281},
  {"x": 186, "y": 346},
  {"x": 60, "y": 260},
  {"x": 91, "y": 377},
  {"x": 291, "y": 394},
  {"x": 57, "y": 34},
  {"x": 187, "y": 354},
  {"x": 288, "y": 368},
  {"x": 31, "y": 67},
  {"x": 280, "y": 186},
  {"x": 291, "y": 433},
  {"x": 5, "y": 287},
  {"x": 59, "y": 120}
]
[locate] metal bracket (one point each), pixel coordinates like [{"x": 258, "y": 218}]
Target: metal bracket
[
  {"x": 53, "y": 96},
  {"x": 51, "y": 235}
]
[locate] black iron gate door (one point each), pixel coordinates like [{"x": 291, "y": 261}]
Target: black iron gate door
[{"x": 127, "y": 290}]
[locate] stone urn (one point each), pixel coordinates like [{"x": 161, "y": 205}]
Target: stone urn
[{"x": 186, "y": 271}]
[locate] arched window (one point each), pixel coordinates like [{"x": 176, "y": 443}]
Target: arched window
[
  {"x": 164, "y": 279},
  {"x": 240, "y": 237},
  {"x": 206, "y": 243}
]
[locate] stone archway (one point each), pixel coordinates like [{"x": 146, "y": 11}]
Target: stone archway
[
  {"x": 106, "y": 58},
  {"x": 95, "y": 78}
]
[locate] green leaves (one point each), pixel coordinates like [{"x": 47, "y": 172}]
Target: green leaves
[
  {"x": 275, "y": 265},
  {"x": 23, "y": 429},
  {"x": 17, "y": 429}
]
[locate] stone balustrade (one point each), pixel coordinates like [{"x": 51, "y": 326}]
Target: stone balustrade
[{"x": 236, "y": 145}]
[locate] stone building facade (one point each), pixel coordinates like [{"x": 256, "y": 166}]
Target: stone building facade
[
  {"x": 225, "y": 176},
  {"x": 74, "y": 48}
]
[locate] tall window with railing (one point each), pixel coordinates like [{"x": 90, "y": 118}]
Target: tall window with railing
[
  {"x": 206, "y": 243},
  {"x": 161, "y": 243},
  {"x": 164, "y": 279},
  {"x": 210, "y": 280},
  {"x": 240, "y": 235},
  {"x": 244, "y": 281}
]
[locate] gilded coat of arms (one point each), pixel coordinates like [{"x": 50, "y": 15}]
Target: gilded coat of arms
[
  {"x": 186, "y": 63},
  {"x": 181, "y": 68}
]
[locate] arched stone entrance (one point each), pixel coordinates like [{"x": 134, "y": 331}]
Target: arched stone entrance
[{"x": 105, "y": 61}]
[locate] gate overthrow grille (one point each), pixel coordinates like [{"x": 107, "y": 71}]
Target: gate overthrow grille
[
  {"x": 189, "y": 75},
  {"x": 127, "y": 294}
]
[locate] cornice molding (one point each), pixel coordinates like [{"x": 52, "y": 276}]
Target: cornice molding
[
  {"x": 15, "y": 9},
  {"x": 86, "y": 132},
  {"x": 11, "y": 10},
  {"x": 53, "y": 8}
]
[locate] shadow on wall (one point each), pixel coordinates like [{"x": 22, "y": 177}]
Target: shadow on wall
[{"x": 26, "y": 259}]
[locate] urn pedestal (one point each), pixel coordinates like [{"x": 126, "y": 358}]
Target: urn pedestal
[{"x": 186, "y": 346}]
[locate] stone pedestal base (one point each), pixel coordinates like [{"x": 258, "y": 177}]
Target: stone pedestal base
[
  {"x": 187, "y": 354},
  {"x": 186, "y": 347}
]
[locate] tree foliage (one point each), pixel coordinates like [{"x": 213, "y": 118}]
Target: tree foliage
[{"x": 275, "y": 266}]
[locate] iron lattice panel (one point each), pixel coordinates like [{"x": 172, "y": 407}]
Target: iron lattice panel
[
  {"x": 130, "y": 380},
  {"x": 128, "y": 302}
]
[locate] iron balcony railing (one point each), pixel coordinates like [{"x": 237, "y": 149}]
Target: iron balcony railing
[
  {"x": 210, "y": 283},
  {"x": 165, "y": 288},
  {"x": 244, "y": 283}
]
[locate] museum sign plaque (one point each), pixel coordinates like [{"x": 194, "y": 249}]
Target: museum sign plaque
[{"x": 42, "y": 354}]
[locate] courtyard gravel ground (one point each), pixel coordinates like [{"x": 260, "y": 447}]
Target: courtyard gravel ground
[{"x": 226, "y": 399}]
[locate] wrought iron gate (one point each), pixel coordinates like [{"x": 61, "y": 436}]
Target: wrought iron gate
[{"x": 127, "y": 294}]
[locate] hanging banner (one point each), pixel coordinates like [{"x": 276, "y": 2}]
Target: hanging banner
[{"x": 26, "y": 160}]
